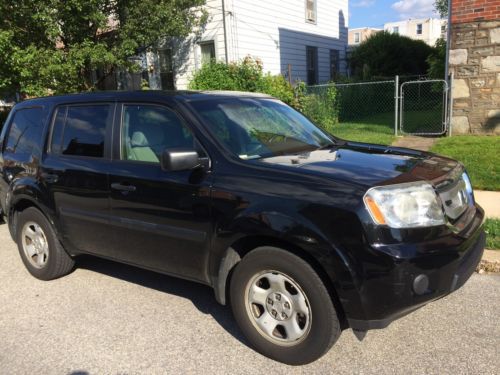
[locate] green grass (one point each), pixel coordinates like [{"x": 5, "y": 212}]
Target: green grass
[
  {"x": 375, "y": 129},
  {"x": 423, "y": 121},
  {"x": 492, "y": 228},
  {"x": 479, "y": 154}
]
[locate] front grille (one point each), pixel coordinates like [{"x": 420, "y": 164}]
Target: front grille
[{"x": 455, "y": 198}]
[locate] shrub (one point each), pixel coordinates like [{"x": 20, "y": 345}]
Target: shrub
[
  {"x": 321, "y": 107},
  {"x": 387, "y": 54}
]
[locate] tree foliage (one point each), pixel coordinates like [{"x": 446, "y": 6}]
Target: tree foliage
[
  {"x": 442, "y": 7},
  {"x": 436, "y": 60},
  {"x": 53, "y": 46},
  {"x": 386, "y": 54}
]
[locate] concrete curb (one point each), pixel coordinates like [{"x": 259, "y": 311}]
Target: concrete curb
[{"x": 490, "y": 263}]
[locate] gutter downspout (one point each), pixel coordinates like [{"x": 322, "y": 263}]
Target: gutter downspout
[
  {"x": 447, "y": 76},
  {"x": 225, "y": 30},
  {"x": 448, "y": 40}
]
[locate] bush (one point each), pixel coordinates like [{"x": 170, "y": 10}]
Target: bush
[
  {"x": 321, "y": 106},
  {"x": 246, "y": 75},
  {"x": 436, "y": 60},
  {"x": 387, "y": 54}
]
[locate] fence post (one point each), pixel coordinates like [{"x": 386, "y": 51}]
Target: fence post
[
  {"x": 396, "y": 104},
  {"x": 450, "y": 109}
]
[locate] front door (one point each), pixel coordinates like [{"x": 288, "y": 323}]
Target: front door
[{"x": 161, "y": 220}]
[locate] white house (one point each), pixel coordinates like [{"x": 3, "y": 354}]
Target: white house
[
  {"x": 427, "y": 29},
  {"x": 305, "y": 37}
]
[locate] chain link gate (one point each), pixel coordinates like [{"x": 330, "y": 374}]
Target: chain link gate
[{"x": 423, "y": 108}]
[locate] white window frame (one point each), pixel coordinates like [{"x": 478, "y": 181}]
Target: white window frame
[
  {"x": 357, "y": 37},
  {"x": 395, "y": 29},
  {"x": 314, "y": 12},
  {"x": 420, "y": 28}
]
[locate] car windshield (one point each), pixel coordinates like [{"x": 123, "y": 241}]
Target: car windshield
[{"x": 257, "y": 128}]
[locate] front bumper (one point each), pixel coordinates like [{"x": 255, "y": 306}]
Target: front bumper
[{"x": 388, "y": 290}]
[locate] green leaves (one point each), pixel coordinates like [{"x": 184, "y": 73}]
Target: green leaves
[
  {"x": 54, "y": 46},
  {"x": 385, "y": 54}
]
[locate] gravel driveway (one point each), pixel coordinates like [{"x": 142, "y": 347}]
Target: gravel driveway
[{"x": 107, "y": 318}]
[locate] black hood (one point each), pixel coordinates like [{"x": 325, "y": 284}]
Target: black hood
[{"x": 368, "y": 165}]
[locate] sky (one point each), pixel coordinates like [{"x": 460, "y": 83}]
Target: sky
[{"x": 374, "y": 13}]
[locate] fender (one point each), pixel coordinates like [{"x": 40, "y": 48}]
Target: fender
[
  {"x": 253, "y": 228},
  {"x": 27, "y": 190}
]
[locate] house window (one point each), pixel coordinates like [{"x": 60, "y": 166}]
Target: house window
[
  {"x": 312, "y": 65},
  {"x": 311, "y": 11},
  {"x": 395, "y": 29},
  {"x": 334, "y": 64},
  {"x": 356, "y": 37},
  {"x": 419, "y": 29},
  {"x": 207, "y": 51},
  {"x": 443, "y": 29}
]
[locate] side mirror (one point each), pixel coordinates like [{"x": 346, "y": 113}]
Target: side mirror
[{"x": 179, "y": 160}]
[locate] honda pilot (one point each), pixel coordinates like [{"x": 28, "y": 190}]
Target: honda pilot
[{"x": 301, "y": 233}]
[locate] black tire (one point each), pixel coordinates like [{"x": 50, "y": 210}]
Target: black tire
[
  {"x": 57, "y": 262},
  {"x": 324, "y": 327}
]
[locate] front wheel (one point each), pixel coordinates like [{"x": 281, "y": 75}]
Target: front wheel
[{"x": 283, "y": 307}]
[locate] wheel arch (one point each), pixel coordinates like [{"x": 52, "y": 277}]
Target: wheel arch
[
  {"x": 19, "y": 204},
  {"x": 234, "y": 253}
]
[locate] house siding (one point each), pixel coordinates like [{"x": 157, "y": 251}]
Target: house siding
[{"x": 274, "y": 31}]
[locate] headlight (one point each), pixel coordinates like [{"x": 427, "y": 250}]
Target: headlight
[{"x": 406, "y": 205}]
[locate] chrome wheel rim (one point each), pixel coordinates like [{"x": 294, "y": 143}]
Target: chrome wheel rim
[
  {"x": 35, "y": 244},
  {"x": 278, "y": 308}
]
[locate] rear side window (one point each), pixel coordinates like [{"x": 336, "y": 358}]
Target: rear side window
[
  {"x": 80, "y": 130},
  {"x": 26, "y": 131}
]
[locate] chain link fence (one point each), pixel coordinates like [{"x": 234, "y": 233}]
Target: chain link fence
[
  {"x": 410, "y": 105},
  {"x": 424, "y": 107}
]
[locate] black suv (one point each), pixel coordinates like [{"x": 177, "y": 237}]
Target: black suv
[{"x": 302, "y": 233}]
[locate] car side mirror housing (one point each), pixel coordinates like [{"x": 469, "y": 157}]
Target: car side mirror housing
[{"x": 179, "y": 160}]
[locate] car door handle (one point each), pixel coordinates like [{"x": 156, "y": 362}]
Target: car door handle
[{"x": 122, "y": 187}]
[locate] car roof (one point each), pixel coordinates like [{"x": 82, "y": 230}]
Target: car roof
[{"x": 140, "y": 95}]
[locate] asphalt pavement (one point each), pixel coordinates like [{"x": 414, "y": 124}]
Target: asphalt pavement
[{"x": 107, "y": 318}]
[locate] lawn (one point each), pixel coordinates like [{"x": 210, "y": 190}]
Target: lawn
[
  {"x": 479, "y": 154},
  {"x": 492, "y": 228},
  {"x": 375, "y": 129}
]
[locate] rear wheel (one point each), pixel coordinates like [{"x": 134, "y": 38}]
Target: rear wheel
[
  {"x": 40, "y": 250},
  {"x": 283, "y": 307}
]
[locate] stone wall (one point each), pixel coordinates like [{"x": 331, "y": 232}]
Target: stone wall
[{"x": 475, "y": 62}]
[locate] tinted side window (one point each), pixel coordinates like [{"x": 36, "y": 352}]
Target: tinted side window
[
  {"x": 26, "y": 131},
  {"x": 80, "y": 130}
]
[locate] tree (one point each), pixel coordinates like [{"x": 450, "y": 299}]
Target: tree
[
  {"x": 53, "y": 46},
  {"x": 436, "y": 60},
  {"x": 442, "y": 7},
  {"x": 386, "y": 54}
]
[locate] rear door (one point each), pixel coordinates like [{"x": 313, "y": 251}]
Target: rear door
[
  {"x": 75, "y": 174},
  {"x": 161, "y": 219},
  {"x": 22, "y": 147}
]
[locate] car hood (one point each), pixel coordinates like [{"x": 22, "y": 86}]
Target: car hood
[{"x": 368, "y": 165}]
